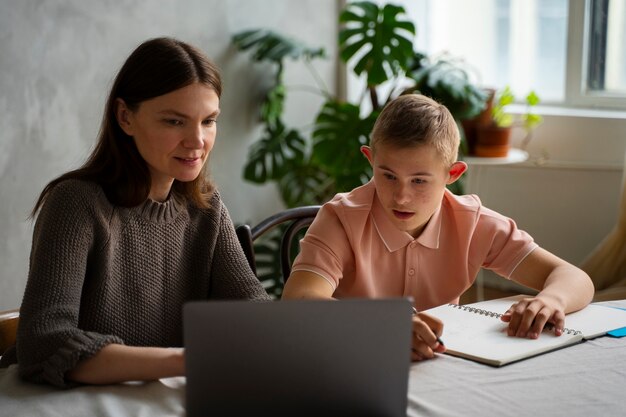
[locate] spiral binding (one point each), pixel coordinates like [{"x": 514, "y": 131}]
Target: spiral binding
[{"x": 498, "y": 315}]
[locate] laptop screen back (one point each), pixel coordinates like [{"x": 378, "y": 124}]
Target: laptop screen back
[{"x": 297, "y": 358}]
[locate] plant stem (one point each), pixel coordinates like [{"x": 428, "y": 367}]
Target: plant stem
[{"x": 374, "y": 97}]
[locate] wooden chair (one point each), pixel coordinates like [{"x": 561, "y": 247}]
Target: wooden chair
[
  {"x": 298, "y": 219},
  {"x": 8, "y": 328}
]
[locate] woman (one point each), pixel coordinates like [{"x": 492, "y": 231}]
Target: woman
[{"x": 122, "y": 242}]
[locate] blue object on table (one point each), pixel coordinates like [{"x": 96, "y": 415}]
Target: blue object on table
[{"x": 618, "y": 332}]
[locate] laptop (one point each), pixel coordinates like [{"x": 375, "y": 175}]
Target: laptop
[{"x": 297, "y": 358}]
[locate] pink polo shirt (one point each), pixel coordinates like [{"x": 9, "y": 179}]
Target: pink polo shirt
[{"x": 355, "y": 247}]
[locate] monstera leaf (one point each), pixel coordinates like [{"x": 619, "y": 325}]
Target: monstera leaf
[
  {"x": 338, "y": 135},
  {"x": 269, "y": 157},
  {"x": 304, "y": 185},
  {"x": 272, "y": 46},
  {"x": 272, "y": 107},
  {"x": 385, "y": 42}
]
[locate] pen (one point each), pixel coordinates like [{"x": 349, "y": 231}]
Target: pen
[{"x": 438, "y": 338}]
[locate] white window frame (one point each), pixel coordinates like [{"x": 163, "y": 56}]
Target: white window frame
[{"x": 577, "y": 93}]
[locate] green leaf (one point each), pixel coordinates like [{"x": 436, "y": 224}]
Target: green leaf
[
  {"x": 306, "y": 184},
  {"x": 506, "y": 97},
  {"x": 338, "y": 135},
  {"x": 269, "y": 158},
  {"x": 531, "y": 120},
  {"x": 499, "y": 115},
  {"x": 447, "y": 81},
  {"x": 532, "y": 99},
  {"x": 271, "y": 46},
  {"x": 272, "y": 107},
  {"x": 382, "y": 41}
]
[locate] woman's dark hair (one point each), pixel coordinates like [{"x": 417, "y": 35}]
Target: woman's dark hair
[{"x": 158, "y": 66}]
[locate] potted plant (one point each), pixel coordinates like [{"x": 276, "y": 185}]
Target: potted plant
[
  {"x": 376, "y": 42},
  {"x": 493, "y": 139},
  {"x": 470, "y": 126}
]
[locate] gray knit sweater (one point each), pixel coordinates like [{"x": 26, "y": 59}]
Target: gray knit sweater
[{"x": 102, "y": 274}]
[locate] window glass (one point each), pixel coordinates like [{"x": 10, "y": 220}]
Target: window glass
[
  {"x": 524, "y": 44},
  {"x": 607, "y": 50},
  {"x": 521, "y": 43}
]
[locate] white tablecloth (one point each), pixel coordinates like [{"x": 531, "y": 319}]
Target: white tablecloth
[
  {"x": 159, "y": 398},
  {"x": 588, "y": 379}
]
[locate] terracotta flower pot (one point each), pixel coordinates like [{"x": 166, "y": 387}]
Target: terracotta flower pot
[
  {"x": 493, "y": 141},
  {"x": 471, "y": 126}
]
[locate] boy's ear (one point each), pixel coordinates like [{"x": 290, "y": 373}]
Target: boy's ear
[
  {"x": 122, "y": 114},
  {"x": 367, "y": 151},
  {"x": 456, "y": 170}
]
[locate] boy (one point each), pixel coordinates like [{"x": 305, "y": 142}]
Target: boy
[{"x": 405, "y": 234}]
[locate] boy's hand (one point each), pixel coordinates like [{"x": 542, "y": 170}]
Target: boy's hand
[
  {"x": 426, "y": 330},
  {"x": 528, "y": 317}
]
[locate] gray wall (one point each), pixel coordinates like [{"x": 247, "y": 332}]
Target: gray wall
[{"x": 58, "y": 58}]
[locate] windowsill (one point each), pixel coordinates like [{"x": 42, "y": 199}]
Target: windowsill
[{"x": 562, "y": 111}]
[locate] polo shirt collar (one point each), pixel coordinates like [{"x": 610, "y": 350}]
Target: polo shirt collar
[{"x": 395, "y": 239}]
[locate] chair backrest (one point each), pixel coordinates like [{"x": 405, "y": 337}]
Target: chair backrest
[
  {"x": 298, "y": 219},
  {"x": 8, "y": 328}
]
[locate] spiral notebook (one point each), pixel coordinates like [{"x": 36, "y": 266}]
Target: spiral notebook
[{"x": 475, "y": 331}]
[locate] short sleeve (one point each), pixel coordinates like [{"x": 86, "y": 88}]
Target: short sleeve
[
  {"x": 504, "y": 244},
  {"x": 325, "y": 249}
]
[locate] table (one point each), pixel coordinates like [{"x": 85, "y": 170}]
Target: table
[{"x": 587, "y": 379}]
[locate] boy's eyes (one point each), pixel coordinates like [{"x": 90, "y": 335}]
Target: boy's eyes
[{"x": 392, "y": 177}]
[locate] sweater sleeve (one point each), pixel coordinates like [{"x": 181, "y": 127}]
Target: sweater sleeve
[
  {"x": 49, "y": 340},
  {"x": 231, "y": 274}
]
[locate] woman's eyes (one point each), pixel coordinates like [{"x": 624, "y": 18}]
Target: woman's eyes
[
  {"x": 177, "y": 122},
  {"x": 173, "y": 122}
]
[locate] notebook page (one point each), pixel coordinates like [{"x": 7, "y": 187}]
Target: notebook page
[
  {"x": 593, "y": 321},
  {"x": 484, "y": 338}
]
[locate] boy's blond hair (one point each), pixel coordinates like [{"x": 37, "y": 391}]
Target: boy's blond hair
[{"x": 412, "y": 120}]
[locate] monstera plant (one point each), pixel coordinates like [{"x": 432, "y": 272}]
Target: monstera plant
[{"x": 376, "y": 43}]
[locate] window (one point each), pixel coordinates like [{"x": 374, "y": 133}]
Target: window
[
  {"x": 573, "y": 53},
  {"x": 606, "y": 63}
]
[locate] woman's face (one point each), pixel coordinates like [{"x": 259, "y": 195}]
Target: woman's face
[{"x": 174, "y": 134}]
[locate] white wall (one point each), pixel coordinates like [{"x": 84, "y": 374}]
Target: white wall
[
  {"x": 567, "y": 195},
  {"x": 58, "y": 57}
]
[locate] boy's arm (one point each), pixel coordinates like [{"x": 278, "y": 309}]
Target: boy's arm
[
  {"x": 563, "y": 288},
  {"x": 305, "y": 284},
  {"x": 426, "y": 329}
]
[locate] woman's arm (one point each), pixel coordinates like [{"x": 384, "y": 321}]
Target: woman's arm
[
  {"x": 116, "y": 363},
  {"x": 231, "y": 276},
  {"x": 563, "y": 288}
]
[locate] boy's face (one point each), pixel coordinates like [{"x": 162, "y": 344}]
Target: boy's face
[{"x": 410, "y": 183}]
